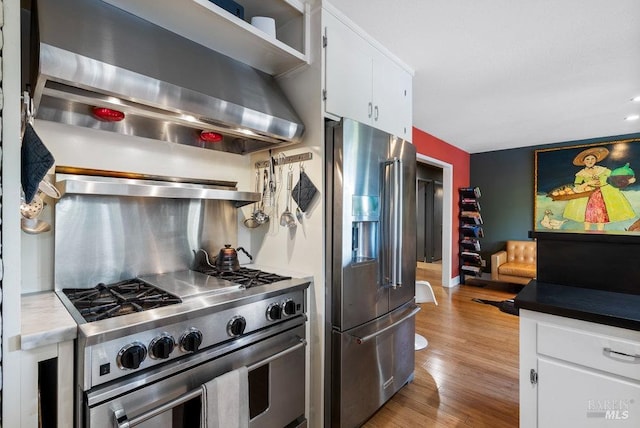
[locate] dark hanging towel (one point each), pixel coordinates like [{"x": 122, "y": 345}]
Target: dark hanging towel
[{"x": 36, "y": 160}]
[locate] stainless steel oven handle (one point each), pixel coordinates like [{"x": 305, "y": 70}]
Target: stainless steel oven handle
[
  {"x": 280, "y": 354},
  {"x": 361, "y": 340},
  {"x": 122, "y": 421}
]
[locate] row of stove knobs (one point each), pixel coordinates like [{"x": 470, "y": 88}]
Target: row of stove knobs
[
  {"x": 276, "y": 311},
  {"x": 132, "y": 355}
]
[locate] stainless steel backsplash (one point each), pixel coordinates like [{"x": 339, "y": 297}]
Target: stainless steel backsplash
[{"x": 111, "y": 238}]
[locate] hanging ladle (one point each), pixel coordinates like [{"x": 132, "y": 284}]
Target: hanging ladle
[
  {"x": 29, "y": 222},
  {"x": 251, "y": 222},
  {"x": 261, "y": 216},
  {"x": 287, "y": 219}
]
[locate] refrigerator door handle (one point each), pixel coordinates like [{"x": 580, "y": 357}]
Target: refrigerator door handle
[
  {"x": 368, "y": 337},
  {"x": 399, "y": 217},
  {"x": 395, "y": 219}
]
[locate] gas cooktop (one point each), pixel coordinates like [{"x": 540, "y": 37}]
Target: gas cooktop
[
  {"x": 154, "y": 291},
  {"x": 122, "y": 298}
]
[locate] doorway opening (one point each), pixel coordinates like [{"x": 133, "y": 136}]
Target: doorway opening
[{"x": 434, "y": 197}]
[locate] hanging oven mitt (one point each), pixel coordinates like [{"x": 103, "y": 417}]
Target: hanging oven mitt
[
  {"x": 304, "y": 192},
  {"x": 36, "y": 160}
]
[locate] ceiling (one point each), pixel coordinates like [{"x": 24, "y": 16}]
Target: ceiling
[{"x": 498, "y": 74}]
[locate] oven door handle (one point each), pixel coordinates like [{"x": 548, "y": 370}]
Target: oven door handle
[
  {"x": 280, "y": 354},
  {"x": 121, "y": 420}
]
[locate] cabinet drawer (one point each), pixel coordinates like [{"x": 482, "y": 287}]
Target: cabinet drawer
[{"x": 610, "y": 354}]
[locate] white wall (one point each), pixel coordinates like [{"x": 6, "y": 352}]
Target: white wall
[{"x": 302, "y": 249}]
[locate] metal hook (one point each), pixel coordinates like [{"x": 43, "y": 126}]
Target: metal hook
[
  {"x": 27, "y": 117},
  {"x": 31, "y": 111}
]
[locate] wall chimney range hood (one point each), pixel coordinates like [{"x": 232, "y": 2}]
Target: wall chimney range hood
[{"x": 88, "y": 54}]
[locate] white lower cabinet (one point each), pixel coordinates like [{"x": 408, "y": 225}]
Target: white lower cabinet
[
  {"x": 577, "y": 374},
  {"x": 47, "y": 386}
]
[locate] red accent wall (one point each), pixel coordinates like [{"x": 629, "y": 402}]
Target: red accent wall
[{"x": 428, "y": 145}]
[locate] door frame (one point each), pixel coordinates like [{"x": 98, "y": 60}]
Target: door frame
[{"x": 447, "y": 217}]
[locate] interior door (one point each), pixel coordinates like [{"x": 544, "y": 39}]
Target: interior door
[
  {"x": 438, "y": 192},
  {"x": 429, "y": 220},
  {"x": 421, "y": 214}
]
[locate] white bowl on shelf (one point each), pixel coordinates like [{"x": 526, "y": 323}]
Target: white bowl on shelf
[{"x": 265, "y": 24}]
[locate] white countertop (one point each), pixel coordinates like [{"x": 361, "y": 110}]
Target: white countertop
[{"x": 45, "y": 321}]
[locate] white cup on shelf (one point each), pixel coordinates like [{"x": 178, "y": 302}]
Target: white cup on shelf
[{"x": 265, "y": 24}]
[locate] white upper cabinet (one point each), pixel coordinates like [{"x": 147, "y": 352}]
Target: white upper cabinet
[
  {"x": 362, "y": 82},
  {"x": 349, "y": 72},
  {"x": 391, "y": 95},
  {"x": 208, "y": 24}
]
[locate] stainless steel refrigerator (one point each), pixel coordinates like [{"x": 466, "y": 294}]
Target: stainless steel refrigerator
[{"x": 371, "y": 265}]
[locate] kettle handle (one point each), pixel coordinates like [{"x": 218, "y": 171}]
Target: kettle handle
[{"x": 244, "y": 251}]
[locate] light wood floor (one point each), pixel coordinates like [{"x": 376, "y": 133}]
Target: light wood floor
[{"x": 468, "y": 375}]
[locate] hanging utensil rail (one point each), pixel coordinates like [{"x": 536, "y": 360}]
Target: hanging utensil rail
[{"x": 285, "y": 160}]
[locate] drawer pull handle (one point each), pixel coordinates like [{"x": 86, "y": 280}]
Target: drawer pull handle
[{"x": 621, "y": 356}]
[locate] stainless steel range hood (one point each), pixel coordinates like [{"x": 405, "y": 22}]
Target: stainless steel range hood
[{"x": 89, "y": 54}]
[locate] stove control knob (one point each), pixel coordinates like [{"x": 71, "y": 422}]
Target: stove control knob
[
  {"x": 236, "y": 326},
  {"x": 191, "y": 340},
  {"x": 131, "y": 356},
  {"x": 274, "y": 312},
  {"x": 289, "y": 307},
  {"x": 161, "y": 347}
]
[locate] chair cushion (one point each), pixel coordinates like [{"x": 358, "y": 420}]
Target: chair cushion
[{"x": 527, "y": 270}]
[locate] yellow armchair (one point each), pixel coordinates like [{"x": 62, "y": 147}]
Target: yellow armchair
[{"x": 516, "y": 264}]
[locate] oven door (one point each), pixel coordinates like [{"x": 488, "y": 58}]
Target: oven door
[{"x": 170, "y": 396}]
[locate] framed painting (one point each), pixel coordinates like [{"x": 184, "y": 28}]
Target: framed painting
[{"x": 591, "y": 187}]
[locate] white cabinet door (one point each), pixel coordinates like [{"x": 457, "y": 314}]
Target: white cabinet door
[
  {"x": 570, "y": 396},
  {"x": 575, "y": 373},
  {"x": 391, "y": 97},
  {"x": 348, "y": 69},
  {"x": 364, "y": 84}
]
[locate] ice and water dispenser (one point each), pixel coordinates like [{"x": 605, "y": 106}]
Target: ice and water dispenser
[{"x": 364, "y": 228}]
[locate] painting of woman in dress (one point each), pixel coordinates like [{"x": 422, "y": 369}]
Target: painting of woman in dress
[
  {"x": 604, "y": 203},
  {"x": 588, "y": 188}
]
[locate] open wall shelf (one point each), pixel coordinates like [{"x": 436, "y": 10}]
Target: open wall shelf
[{"x": 470, "y": 231}]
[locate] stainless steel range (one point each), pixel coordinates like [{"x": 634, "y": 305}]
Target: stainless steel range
[{"x": 147, "y": 344}]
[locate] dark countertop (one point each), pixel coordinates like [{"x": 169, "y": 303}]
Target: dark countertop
[{"x": 599, "y": 306}]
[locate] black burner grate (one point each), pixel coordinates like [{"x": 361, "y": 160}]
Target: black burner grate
[
  {"x": 245, "y": 276},
  {"x": 122, "y": 298}
]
